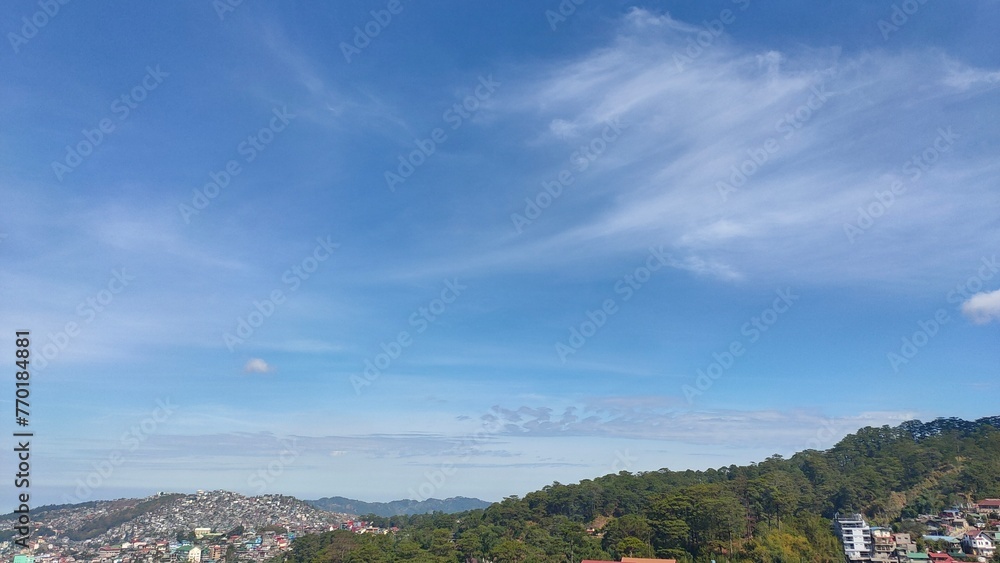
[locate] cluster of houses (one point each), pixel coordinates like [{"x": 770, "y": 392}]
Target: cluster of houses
[
  {"x": 963, "y": 533},
  {"x": 632, "y": 560},
  {"x": 363, "y": 527},
  {"x": 207, "y": 548}
]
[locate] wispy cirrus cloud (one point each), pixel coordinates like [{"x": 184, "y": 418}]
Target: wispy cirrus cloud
[{"x": 827, "y": 130}]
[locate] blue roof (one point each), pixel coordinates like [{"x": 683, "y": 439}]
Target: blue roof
[{"x": 948, "y": 539}]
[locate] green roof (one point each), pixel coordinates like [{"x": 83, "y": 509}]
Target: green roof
[{"x": 915, "y": 555}]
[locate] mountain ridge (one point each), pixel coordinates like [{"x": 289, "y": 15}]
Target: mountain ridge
[{"x": 398, "y": 507}]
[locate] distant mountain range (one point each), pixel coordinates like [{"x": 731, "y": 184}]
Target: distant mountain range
[{"x": 397, "y": 507}]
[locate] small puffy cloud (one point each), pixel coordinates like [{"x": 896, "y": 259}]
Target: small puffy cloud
[
  {"x": 982, "y": 308},
  {"x": 257, "y": 365}
]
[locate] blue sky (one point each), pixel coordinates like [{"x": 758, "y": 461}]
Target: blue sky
[{"x": 624, "y": 237}]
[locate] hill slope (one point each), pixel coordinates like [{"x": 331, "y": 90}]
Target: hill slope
[
  {"x": 164, "y": 515},
  {"x": 775, "y": 510}
]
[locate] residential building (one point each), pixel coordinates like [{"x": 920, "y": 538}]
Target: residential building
[
  {"x": 904, "y": 546},
  {"x": 988, "y": 505},
  {"x": 855, "y": 534},
  {"x": 884, "y": 545},
  {"x": 978, "y": 543}
]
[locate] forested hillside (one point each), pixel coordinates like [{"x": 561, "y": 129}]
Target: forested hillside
[{"x": 775, "y": 510}]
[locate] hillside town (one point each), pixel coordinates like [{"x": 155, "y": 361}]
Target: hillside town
[
  {"x": 969, "y": 532},
  {"x": 225, "y": 527},
  {"x": 206, "y": 527}
]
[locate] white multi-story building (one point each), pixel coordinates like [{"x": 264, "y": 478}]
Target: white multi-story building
[
  {"x": 976, "y": 542},
  {"x": 856, "y": 536}
]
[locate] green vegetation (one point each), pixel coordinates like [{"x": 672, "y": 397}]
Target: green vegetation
[{"x": 778, "y": 510}]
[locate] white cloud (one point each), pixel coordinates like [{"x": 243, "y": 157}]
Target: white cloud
[
  {"x": 840, "y": 129},
  {"x": 982, "y": 308},
  {"x": 257, "y": 365}
]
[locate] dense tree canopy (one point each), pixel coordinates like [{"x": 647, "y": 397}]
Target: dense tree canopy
[{"x": 778, "y": 510}]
